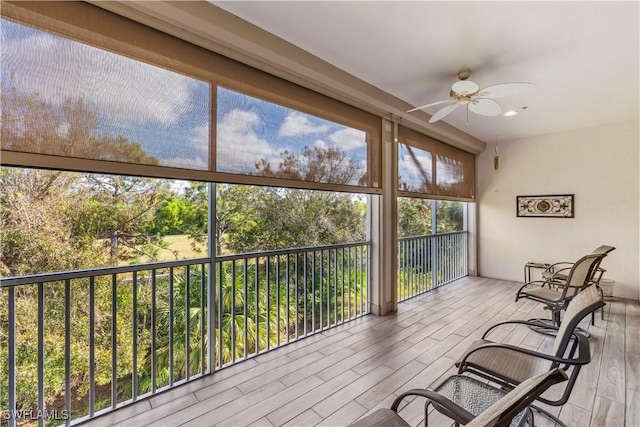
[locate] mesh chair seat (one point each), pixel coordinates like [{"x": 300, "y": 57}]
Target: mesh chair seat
[
  {"x": 499, "y": 408},
  {"x": 547, "y": 294},
  {"x": 550, "y": 275},
  {"x": 510, "y": 364}
]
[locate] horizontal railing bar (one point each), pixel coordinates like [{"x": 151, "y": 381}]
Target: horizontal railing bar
[
  {"x": 430, "y": 236},
  {"x": 104, "y": 271},
  {"x": 275, "y": 252},
  {"x": 101, "y": 271}
]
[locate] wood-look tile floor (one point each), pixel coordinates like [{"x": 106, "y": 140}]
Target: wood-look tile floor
[{"x": 335, "y": 377}]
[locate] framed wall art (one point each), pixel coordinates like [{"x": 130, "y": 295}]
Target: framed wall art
[{"x": 556, "y": 206}]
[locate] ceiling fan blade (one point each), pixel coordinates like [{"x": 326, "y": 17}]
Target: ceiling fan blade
[
  {"x": 485, "y": 107},
  {"x": 430, "y": 105},
  {"x": 443, "y": 112},
  {"x": 507, "y": 89}
]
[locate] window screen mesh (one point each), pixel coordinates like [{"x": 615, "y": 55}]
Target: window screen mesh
[
  {"x": 257, "y": 137},
  {"x": 432, "y": 167},
  {"x": 65, "y": 98},
  {"x": 109, "y": 89}
]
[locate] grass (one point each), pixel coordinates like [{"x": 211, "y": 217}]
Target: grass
[{"x": 181, "y": 245}]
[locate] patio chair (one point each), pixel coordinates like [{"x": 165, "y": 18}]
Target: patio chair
[
  {"x": 557, "y": 294},
  {"x": 509, "y": 365},
  {"x": 475, "y": 404},
  {"x": 557, "y": 272}
]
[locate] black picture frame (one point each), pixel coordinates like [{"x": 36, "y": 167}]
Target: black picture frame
[{"x": 545, "y": 206}]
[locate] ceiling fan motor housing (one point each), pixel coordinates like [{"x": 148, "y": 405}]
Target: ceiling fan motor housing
[{"x": 464, "y": 74}]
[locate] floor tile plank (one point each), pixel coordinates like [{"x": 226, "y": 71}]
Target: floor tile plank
[{"x": 339, "y": 375}]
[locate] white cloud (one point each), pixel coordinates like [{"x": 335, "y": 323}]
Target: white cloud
[
  {"x": 131, "y": 91},
  {"x": 199, "y": 146},
  {"x": 349, "y": 139},
  {"x": 296, "y": 124},
  {"x": 200, "y": 140},
  {"x": 321, "y": 144},
  {"x": 238, "y": 146},
  {"x": 410, "y": 172},
  {"x": 63, "y": 130}
]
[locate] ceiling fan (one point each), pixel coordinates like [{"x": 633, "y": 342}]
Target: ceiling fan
[{"x": 479, "y": 101}]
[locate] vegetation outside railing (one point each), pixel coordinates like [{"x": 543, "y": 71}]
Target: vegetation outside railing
[
  {"x": 419, "y": 257},
  {"x": 81, "y": 343}
]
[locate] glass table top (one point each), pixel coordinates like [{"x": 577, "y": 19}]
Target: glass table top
[{"x": 473, "y": 395}]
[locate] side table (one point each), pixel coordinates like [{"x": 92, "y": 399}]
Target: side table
[{"x": 533, "y": 265}]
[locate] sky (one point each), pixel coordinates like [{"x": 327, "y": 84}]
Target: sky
[{"x": 166, "y": 112}]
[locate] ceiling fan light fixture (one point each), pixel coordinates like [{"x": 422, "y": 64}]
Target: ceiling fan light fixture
[
  {"x": 465, "y": 87},
  {"x": 511, "y": 113}
]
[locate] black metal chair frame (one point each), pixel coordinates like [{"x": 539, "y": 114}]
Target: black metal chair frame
[
  {"x": 572, "y": 353},
  {"x": 567, "y": 289}
]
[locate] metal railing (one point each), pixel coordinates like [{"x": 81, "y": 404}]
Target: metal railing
[
  {"x": 427, "y": 262},
  {"x": 103, "y": 338}
]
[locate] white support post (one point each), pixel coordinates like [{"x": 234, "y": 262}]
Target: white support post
[{"x": 383, "y": 231}]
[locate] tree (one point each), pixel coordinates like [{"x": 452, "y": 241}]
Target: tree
[
  {"x": 117, "y": 210},
  {"x": 54, "y": 221},
  {"x": 236, "y": 212},
  {"x": 414, "y": 217},
  {"x": 449, "y": 216},
  {"x": 329, "y": 165},
  {"x": 274, "y": 217},
  {"x": 31, "y": 124},
  {"x": 35, "y": 235}
]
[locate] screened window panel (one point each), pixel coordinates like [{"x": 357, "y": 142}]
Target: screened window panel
[
  {"x": 431, "y": 167},
  {"x": 415, "y": 169},
  {"x": 65, "y": 98},
  {"x": 137, "y": 95},
  {"x": 258, "y": 137}
]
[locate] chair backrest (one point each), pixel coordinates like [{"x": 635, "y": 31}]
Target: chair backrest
[
  {"x": 604, "y": 249},
  {"x": 587, "y": 301},
  {"x": 596, "y": 274},
  {"x": 581, "y": 273},
  {"x": 502, "y": 412}
]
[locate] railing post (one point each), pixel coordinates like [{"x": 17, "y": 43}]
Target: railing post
[
  {"x": 211, "y": 213},
  {"x": 41, "y": 404},
  {"x": 67, "y": 349},
  {"x": 92, "y": 346},
  {"x": 12, "y": 357},
  {"x": 154, "y": 284},
  {"x": 114, "y": 341},
  {"x": 435, "y": 265}
]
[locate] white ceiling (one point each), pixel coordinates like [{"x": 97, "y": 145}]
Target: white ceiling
[{"x": 583, "y": 56}]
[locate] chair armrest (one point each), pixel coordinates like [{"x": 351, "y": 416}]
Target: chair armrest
[
  {"x": 540, "y": 283},
  {"x": 461, "y": 415},
  {"x": 584, "y": 351},
  {"x": 555, "y": 264},
  {"x": 584, "y": 354},
  {"x": 560, "y": 270},
  {"x": 519, "y": 322},
  {"x": 597, "y": 275}
]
